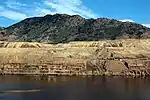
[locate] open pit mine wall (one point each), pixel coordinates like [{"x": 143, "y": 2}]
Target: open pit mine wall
[
  {"x": 62, "y": 66},
  {"x": 74, "y": 59},
  {"x": 42, "y": 65}
]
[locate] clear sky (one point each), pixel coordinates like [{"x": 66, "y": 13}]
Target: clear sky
[{"x": 12, "y": 11}]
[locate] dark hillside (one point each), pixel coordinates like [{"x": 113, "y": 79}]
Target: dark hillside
[{"x": 64, "y": 28}]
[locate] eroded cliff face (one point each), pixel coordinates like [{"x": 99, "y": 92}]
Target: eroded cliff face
[{"x": 117, "y": 57}]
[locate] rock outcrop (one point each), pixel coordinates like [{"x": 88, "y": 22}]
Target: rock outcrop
[{"x": 116, "y": 57}]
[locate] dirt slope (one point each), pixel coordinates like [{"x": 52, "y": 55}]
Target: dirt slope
[{"x": 74, "y": 53}]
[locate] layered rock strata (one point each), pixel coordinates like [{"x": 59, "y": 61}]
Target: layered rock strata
[{"x": 111, "y": 57}]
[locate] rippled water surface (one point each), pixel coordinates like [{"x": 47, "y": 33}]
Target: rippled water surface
[{"x": 73, "y": 88}]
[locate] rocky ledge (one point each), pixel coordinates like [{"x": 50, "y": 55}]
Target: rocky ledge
[{"x": 110, "y": 57}]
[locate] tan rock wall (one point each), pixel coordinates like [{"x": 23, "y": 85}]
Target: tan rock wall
[{"x": 76, "y": 58}]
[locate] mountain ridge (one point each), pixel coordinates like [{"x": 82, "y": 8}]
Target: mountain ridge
[{"x": 61, "y": 28}]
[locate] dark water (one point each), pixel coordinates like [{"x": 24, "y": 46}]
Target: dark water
[{"x": 74, "y": 88}]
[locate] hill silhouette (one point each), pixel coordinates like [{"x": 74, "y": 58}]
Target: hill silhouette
[{"x": 60, "y": 28}]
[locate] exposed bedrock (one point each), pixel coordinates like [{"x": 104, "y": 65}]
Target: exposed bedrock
[{"x": 117, "y": 57}]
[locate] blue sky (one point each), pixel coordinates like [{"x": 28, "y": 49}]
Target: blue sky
[{"x": 12, "y": 11}]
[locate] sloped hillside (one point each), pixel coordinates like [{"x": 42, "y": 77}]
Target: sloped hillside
[
  {"x": 60, "y": 28},
  {"x": 110, "y": 57},
  {"x": 116, "y": 49}
]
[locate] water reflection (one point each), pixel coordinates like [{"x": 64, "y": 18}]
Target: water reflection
[{"x": 74, "y": 88}]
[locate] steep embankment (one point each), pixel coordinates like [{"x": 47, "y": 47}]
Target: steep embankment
[
  {"x": 64, "y": 28},
  {"x": 119, "y": 57}
]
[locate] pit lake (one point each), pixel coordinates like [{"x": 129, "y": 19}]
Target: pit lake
[{"x": 73, "y": 88}]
